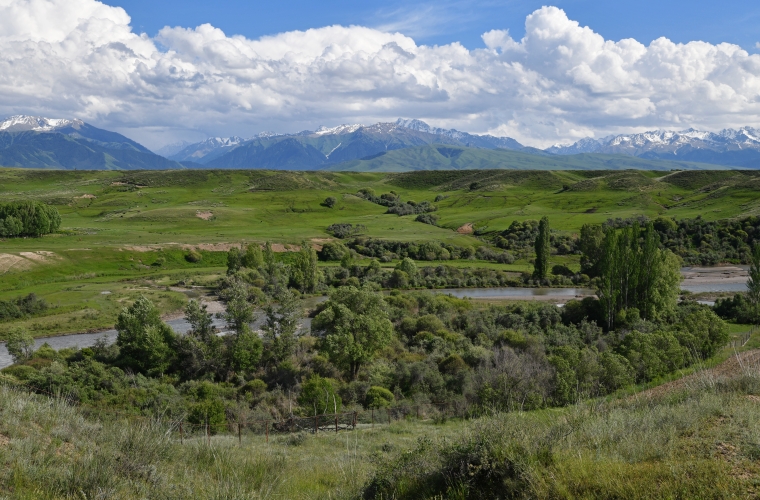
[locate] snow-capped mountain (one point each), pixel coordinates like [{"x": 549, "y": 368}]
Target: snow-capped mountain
[
  {"x": 24, "y": 123},
  {"x": 339, "y": 130},
  {"x": 328, "y": 145},
  {"x": 728, "y": 147},
  {"x": 207, "y": 150},
  {"x": 40, "y": 142}
]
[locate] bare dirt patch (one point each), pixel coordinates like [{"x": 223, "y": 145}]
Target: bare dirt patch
[
  {"x": 714, "y": 275},
  {"x": 88, "y": 196},
  {"x": 10, "y": 262},
  {"x": 466, "y": 229},
  {"x": 40, "y": 256},
  {"x": 204, "y": 215},
  {"x": 4, "y": 440}
]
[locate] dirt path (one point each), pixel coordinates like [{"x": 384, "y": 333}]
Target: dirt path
[{"x": 731, "y": 367}]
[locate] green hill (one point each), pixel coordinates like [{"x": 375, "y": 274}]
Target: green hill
[{"x": 447, "y": 157}]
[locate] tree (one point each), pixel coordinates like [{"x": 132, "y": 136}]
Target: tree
[
  {"x": 145, "y": 342},
  {"x": 590, "y": 243},
  {"x": 20, "y": 344},
  {"x": 353, "y": 327},
  {"x": 234, "y": 260},
  {"x": 269, "y": 259},
  {"x": 281, "y": 326},
  {"x": 253, "y": 258},
  {"x": 305, "y": 271},
  {"x": 239, "y": 312},
  {"x": 201, "y": 322},
  {"x": 753, "y": 281},
  {"x": 319, "y": 395},
  {"x": 408, "y": 266},
  {"x": 543, "y": 249},
  {"x": 636, "y": 274}
]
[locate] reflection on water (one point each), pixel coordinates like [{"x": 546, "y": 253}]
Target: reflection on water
[
  {"x": 563, "y": 294},
  {"x": 715, "y": 287},
  {"x": 81, "y": 340}
]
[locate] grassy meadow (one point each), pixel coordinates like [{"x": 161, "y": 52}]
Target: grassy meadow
[{"x": 127, "y": 232}]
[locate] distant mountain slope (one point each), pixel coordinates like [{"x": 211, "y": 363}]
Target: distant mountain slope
[
  {"x": 329, "y": 146},
  {"x": 740, "y": 148},
  {"x": 36, "y": 142},
  {"x": 446, "y": 157}
]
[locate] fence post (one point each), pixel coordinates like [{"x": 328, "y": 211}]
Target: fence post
[
  {"x": 181, "y": 434},
  {"x": 316, "y": 424},
  {"x": 418, "y": 412},
  {"x": 373, "y": 418},
  {"x": 266, "y": 425},
  {"x": 208, "y": 432},
  {"x": 240, "y": 436},
  {"x": 336, "y": 423}
]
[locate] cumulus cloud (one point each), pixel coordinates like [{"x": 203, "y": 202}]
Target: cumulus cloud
[{"x": 561, "y": 81}]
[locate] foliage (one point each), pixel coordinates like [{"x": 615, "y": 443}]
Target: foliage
[
  {"x": 636, "y": 274},
  {"x": 145, "y": 342},
  {"x": 345, "y": 230},
  {"x": 28, "y": 305},
  {"x": 281, "y": 327},
  {"x": 753, "y": 281},
  {"x": 543, "y": 249},
  {"x": 353, "y": 326},
  {"x": 20, "y": 344},
  {"x": 318, "y": 396},
  {"x": 28, "y": 218},
  {"x": 378, "y": 397}
]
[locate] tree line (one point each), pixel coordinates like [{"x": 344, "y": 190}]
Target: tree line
[{"x": 28, "y": 218}]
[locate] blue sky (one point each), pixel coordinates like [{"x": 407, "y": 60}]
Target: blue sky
[
  {"x": 160, "y": 71},
  {"x": 446, "y": 21}
]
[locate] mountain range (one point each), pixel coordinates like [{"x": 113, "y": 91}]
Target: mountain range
[
  {"x": 405, "y": 144},
  {"x": 35, "y": 142},
  {"x": 738, "y": 148}
]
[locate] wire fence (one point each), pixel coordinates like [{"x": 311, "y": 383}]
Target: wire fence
[
  {"x": 742, "y": 339},
  {"x": 185, "y": 430}
]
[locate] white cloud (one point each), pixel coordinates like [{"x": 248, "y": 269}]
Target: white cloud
[{"x": 80, "y": 58}]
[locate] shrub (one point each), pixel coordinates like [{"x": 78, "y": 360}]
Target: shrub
[
  {"x": 378, "y": 397},
  {"x": 329, "y": 202},
  {"x": 193, "y": 256},
  {"x": 427, "y": 219},
  {"x": 210, "y": 411},
  {"x": 318, "y": 396},
  {"x": 345, "y": 230}
]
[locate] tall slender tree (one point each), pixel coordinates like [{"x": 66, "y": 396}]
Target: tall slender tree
[
  {"x": 753, "y": 282},
  {"x": 543, "y": 249}
]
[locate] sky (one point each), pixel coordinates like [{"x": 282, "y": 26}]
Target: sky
[{"x": 542, "y": 73}]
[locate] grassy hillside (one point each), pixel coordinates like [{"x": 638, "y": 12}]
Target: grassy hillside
[
  {"x": 694, "y": 438},
  {"x": 117, "y": 225},
  {"x": 448, "y": 157}
]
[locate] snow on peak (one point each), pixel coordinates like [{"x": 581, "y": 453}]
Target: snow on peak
[
  {"x": 339, "y": 130},
  {"x": 223, "y": 142},
  {"x": 23, "y": 123}
]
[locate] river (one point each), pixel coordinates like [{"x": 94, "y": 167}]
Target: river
[{"x": 696, "y": 280}]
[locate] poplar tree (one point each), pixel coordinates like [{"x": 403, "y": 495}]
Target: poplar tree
[
  {"x": 543, "y": 249},
  {"x": 753, "y": 282}
]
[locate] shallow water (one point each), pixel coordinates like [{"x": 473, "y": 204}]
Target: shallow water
[{"x": 181, "y": 326}]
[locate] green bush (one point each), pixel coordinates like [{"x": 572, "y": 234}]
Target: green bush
[
  {"x": 21, "y": 372},
  {"x": 193, "y": 256},
  {"x": 318, "y": 396},
  {"x": 209, "y": 412},
  {"x": 378, "y": 397}
]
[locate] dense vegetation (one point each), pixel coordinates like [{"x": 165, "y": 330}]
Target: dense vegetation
[
  {"x": 416, "y": 346},
  {"x": 28, "y": 218}
]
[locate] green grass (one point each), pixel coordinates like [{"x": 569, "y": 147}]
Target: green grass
[
  {"x": 110, "y": 242},
  {"x": 699, "y": 441}
]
